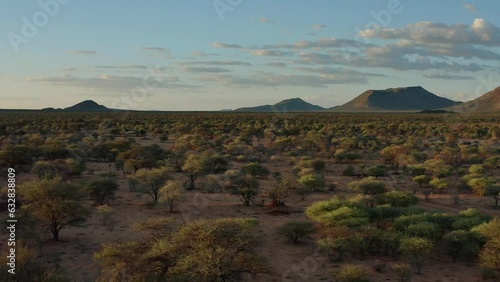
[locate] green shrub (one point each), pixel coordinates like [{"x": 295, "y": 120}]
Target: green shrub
[
  {"x": 296, "y": 230},
  {"x": 353, "y": 273}
]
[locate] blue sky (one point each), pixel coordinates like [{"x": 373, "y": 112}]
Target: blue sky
[{"x": 219, "y": 54}]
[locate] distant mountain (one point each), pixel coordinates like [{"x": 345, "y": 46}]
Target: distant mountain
[
  {"x": 413, "y": 98},
  {"x": 489, "y": 102},
  {"x": 289, "y": 105},
  {"x": 87, "y": 106}
]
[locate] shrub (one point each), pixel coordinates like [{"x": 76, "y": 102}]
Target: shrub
[
  {"x": 380, "y": 266},
  {"x": 402, "y": 271},
  {"x": 353, "y": 273},
  {"x": 296, "y": 230},
  {"x": 398, "y": 199}
]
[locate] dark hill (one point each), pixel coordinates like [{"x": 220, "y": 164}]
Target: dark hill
[
  {"x": 87, "y": 106},
  {"x": 289, "y": 105},
  {"x": 413, "y": 98}
]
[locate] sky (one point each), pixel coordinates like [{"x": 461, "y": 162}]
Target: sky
[{"x": 224, "y": 54}]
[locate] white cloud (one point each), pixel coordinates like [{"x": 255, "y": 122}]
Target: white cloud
[
  {"x": 205, "y": 69},
  {"x": 266, "y": 79},
  {"x": 337, "y": 71},
  {"x": 217, "y": 63},
  {"x": 134, "y": 67},
  {"x": 266, "y": 20},
  {"x": 270, "y": 53},
  {"x": 471, "y": 7},
  {"x": 480, "y": 32},
  {"x": 112, "y": 83},
  {"x": 157, "y": 51},
  {"x": 447, "y": 76},
  {"x": 83, "y": 52},
  {"x": 224, "y": 45},
  {"x": 319, "y": 26}
]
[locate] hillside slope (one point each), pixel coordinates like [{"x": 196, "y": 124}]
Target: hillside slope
[
  {"x": 395, "y": 99},
  {"x": 489, "y": 102},
  {"x": 289, "y": 105}
]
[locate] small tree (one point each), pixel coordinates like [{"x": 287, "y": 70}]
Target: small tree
[
  {"x": 479, "y": 185},
  {"x": 438, "y": 184},
  {"x": 421, "y": 180},
  {"x": 102, "y": 189},
  {"x": 416, "y": 249},
  {"x": 279, "y": 192},
  {"x": 75, "y": 167},
  {"x": 377, "y": 171},
  {"x": 151, "y": 181},
  {"x": 476, "y": 169},
  {"x": 43, "y": 169},
  {"x": 461, "y": 242},
  {"x": 437, "y": 167},
  {"x": 490, "y": 255},
  {"x": 194, "y": 166},
  {"x": 247, "y": 190},
  {"x": 402, "y": 271},
  {"x": 494, "y": 191},
  {"x": 171, "y": 194},
  {"x": 296, "y": 230},
  {"x": 398, "y": 198},
  {"x": 255, "y": 170},
  {"x": 54, "y": 203},
  {"x": 312, "y": 182},
  {"x": 369, "y": 186}
]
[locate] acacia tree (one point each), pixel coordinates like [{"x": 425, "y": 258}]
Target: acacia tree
[
  {"x": 194, "y": 166},
  {"x": 205, "y": 250},
  {"x": 247, "y": 190},
  {"x": 490, "y": 255},
  {"x": 479, "y": 185},
  {"x": 416, "y": 249},
  {"x": 171, "y": 194},
  {"x": 54, "y": 203},
  {"x": 43, "y": 169},
  {"x": 279, "y": 192},
  {"x": 421, "y": 180},
  {"x": 102, "y": 189},
  {"x": 296, "y": 230},
  {"x": 369, "y": 187},
  {"x": 309, "y": 183},
  {"x": 152, "y": 180},
  {"x": 437, "y": 167},
  {"x": 462, "y": 242},
  {"x": 391, "y": 155},
  {"x": 494, "y": 191},
  {"x": 255, "y": 170},
  {"x": 438, "y": 184}
]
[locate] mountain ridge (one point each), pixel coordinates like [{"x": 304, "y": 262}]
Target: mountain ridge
[
  {"x": 287, "y": 105},
  {"x": 400, "y": 99},
  {"x": 412, "y": 98},
  {"x": 488, "y": 102}
]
